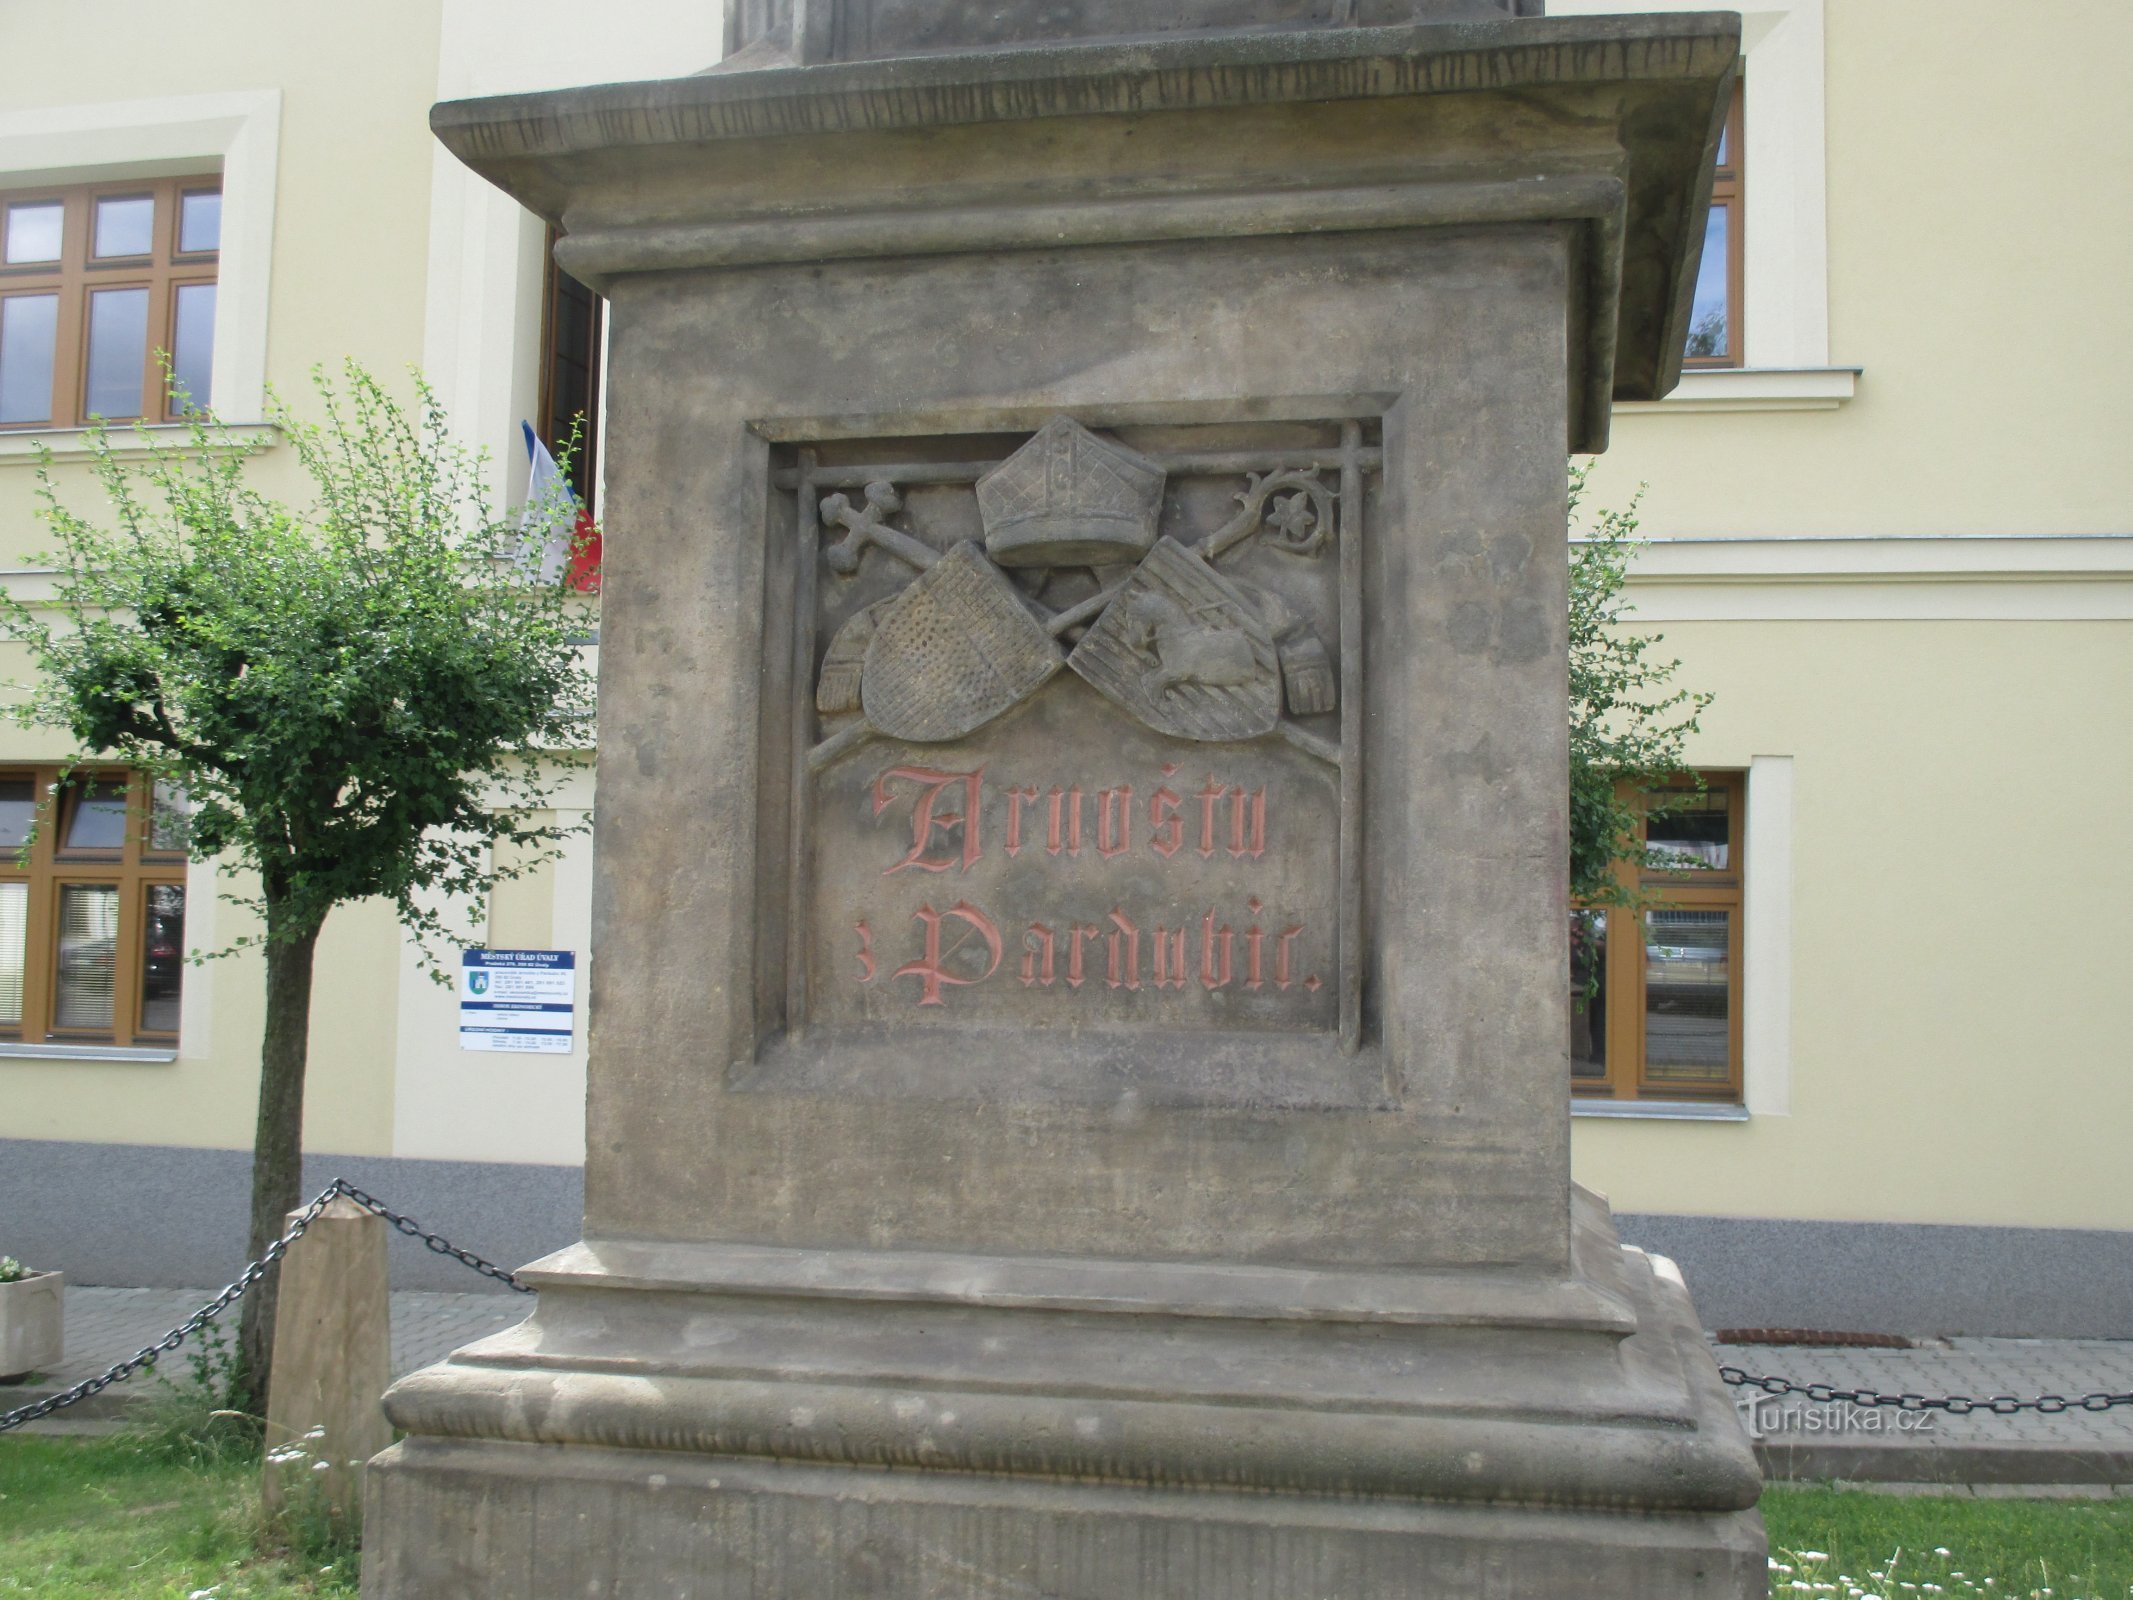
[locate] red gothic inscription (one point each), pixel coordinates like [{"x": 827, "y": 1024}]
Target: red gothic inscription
[
  {"x": 1114, "y": 821},
  {"x": 932, "y": 969},
  {"x": 927, "y": 819},
  {"x": 1134, "y": 957},
  {"x": 1015, "y": 798},
  {"x": 1069, "y": 838},
  {"x": 1232, "y": 819},
  {"x": 963, "y": 946},
  {"x": 1166, "y": 826}
]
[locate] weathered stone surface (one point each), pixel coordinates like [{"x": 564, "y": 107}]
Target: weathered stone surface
[
  {"x": 957, "y": 649},
  {"x": 1121, "y": 893},
  {"x": 1589, "y": 1390},
  {"x": 1185, "y": 651},
  {"x": 332, "y": 1361},
  {"x": 806, "y": 31},
  {"x": 1451, "y": 1141},
  {"x": 1070, "y": 499},
  {"x": 1350, "y": 1434},
  {"x": 724, "y": 1530},
  {"x": 1099, "y": 1132},
  {"x": 1325, "y": 132}
]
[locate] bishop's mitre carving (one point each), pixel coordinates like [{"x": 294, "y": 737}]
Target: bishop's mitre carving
[{"x": 1070, "y": 499}]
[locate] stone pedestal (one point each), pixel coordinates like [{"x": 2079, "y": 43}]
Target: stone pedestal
[
  {"x": 754, "y": 1421},
  {"x": 1079, "y": 1094}
]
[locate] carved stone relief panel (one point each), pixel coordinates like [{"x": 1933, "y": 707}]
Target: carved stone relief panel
[
  {"x": 1163, "y": 835},
  {"x": 1069, "y": 866},
  {"x": 1185, "y": 650}
]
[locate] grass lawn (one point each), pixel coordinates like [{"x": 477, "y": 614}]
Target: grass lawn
[
  {"x": 141, "y": 1519},
  {"x": 1847, "y": 1542},
  {"x": 128, "y": 1519}
]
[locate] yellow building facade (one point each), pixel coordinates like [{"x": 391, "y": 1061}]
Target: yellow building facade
[{"x": 1888, "y": 533}]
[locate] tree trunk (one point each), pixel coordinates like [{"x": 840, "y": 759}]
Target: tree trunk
[{"x": 278, "y": 1141}]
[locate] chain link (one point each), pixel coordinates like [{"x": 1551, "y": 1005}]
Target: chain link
[
  {"x": 436, "y": 1242},
  {"x": 1956, "y": 1405},
  {"x": 148, "y": 1355}
]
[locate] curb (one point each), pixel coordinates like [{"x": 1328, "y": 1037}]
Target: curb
[{"x": 1949, "y": 1464}]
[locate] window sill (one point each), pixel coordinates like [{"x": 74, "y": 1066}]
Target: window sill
[
  {"x": 84, "y": 1052},
  {"x": 1660, "y": 1110},
  {"x": 1753, "y": 389},
  {"x": 19, "y": 449}
]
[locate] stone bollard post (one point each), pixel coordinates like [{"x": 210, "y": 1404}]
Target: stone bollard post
[{"x": 332, "y": 1361}]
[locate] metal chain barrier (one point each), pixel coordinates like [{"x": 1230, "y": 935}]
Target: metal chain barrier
[
  {"x": 145, "y": 1358},
  {"x": 1959, "y": 1405},
  {"x": 1956, "y": 1405},
  {"x": 407, "y": 1225}
]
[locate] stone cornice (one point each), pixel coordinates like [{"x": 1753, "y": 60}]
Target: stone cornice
[
  {"x": 1079, "y": 80},
  {"x": 749, "y": 167}
]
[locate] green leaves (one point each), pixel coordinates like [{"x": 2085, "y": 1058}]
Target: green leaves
[
  {"x": 1629, "y": 725},
  {"x": 359, "y": 694}
]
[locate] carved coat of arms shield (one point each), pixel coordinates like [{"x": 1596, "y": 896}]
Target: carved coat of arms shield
[
  {"x": 1185, "y": 650},
  {"x": 953, "y": 651}
]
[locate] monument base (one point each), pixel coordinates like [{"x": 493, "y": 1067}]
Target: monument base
[
  {"x": 478, "y": 1520},
  {"x": 727, "y": 1421}
]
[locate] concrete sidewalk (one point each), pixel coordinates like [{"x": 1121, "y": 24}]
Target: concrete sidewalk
[
  {"x": 2075, "y": 1450},
  {"x": 1801, "y": 1440},
  {"x": 105, "y": 1326}
]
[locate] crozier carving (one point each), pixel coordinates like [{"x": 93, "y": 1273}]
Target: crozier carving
[{"x": 1300, "y": 518}]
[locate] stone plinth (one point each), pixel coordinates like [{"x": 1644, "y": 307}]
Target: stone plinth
[{"x": 1079, "y": 1097}]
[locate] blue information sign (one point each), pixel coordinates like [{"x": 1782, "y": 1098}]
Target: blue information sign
[{"x": 518, "y": 1000}]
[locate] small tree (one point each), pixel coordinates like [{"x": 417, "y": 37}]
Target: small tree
[
  {"x": 1628, "y": 723},
  {"x": 360, "y": 698}
]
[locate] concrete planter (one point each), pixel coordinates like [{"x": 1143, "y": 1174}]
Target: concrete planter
[{"x": 30, "y": 1325}]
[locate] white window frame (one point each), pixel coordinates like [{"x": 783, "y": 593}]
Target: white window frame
[
  {"x": 1785, "y": 360},
  {"x": 237, "y": 134},
  {"x": 487, "y": 254}
]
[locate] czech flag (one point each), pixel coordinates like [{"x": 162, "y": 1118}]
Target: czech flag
[{"x": 555, "y": 531}]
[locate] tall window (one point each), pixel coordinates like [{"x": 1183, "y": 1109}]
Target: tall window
[
  {"x": 573, "y": 322},
  {"x": 95, "y": 282},
  {"x": 1655, "y": 994},
  {"x": 92, "y": 921},
  {"x": 1715, "y": 313}
]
